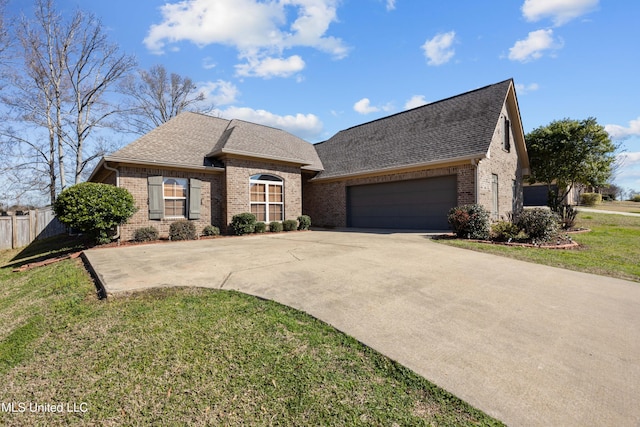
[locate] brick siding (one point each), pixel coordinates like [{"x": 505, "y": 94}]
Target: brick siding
[
  {"x": 237, "y": 176},
  {"x": 135, "y": 180},
  {"x": 326, "y": 202}
]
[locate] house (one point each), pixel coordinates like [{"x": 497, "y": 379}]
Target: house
[{"x": 402, "y": 171}]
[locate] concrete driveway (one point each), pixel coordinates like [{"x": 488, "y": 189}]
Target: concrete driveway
[{"x": 528, "y": 344}]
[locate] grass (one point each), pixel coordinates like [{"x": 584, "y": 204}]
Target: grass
[
  {"x": 611, "y": 247},
  {"x": 618, "y": 206},
  {"x": 192, "y": 356}
]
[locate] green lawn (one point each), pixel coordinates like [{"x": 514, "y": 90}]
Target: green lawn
[
  {"x": 192, "y": 356},
  {"x": 611, "y": 248}
]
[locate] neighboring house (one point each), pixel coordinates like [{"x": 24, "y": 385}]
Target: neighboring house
[{"x": 402, "y": 171}]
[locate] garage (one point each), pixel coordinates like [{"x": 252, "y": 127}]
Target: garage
[{"x": 419, "y": 204}]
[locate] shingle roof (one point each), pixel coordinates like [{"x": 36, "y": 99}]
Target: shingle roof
[
  {"x": 256, "y": 140},
  {"x": 192, "y": 139},
  {"x": 457, "y": 127},
  {"x": 184, "y": 141}
]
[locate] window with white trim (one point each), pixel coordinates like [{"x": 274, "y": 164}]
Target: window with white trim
[
  {"x": 267, "y": 197},
  {"x": 175, "y": 197}
]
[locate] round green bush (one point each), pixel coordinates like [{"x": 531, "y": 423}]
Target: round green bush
[
  {"x": 146, "y": 234},
  {"x": 469, "y": 221},
  {"x": 538, "y": 224},
  {"x": 182, "y": 230},
  {"x": 95, "y": 209},
  {"x": 504, "y": 231},
  {"x": 304, "y": 222},
  {"x": 289, "y": 224},
  {"x": 275, "y": 226},
  {"x": 211, "y": 230},
  {"x": 243, "y": 223},
  {"x": 261, "y": 227}
]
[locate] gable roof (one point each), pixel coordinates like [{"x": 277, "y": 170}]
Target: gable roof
[
  {"x": 456, "y": 128},
  {"x": 254, "y": 140},
  {"x": 194, "y": 140}
]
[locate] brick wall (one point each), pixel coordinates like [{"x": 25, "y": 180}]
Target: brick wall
[
  {"x": 506, "y": 166},
  {"x": 135, "y": 180},
  {"x": 238, "y": 174},
  {"x": 326, "y": 202}
]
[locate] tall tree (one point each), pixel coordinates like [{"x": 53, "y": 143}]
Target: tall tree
[
  {"x": 157, "y": 96},
  {"x": 567, "y": 153},
  {"x": 59, "y": 95}
]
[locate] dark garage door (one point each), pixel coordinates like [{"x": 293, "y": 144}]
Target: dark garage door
[{"x": 419, "y": 204}]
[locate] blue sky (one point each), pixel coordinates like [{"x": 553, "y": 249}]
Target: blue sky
[{"x": 314, "y": 67}]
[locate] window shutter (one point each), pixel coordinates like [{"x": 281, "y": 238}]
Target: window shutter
[
  {"x": 195, "y": 194},
  {"x": 156, "y": 199}
]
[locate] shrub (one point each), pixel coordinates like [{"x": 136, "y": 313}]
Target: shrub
[
  {"x": 95, "y": 209},
  {"x": 243, "y": 223},
  {"x": 182, "y": 230},
  {"x": 539, "y": 224},
  {"x": 211, "y": 230},
  {"x": 567, "y": 215},
  {"x": 261, "y": 227},
  {"x": 275, "y": 227},
  {"x": 304, "y": 222},
  {"x": 590, "y": 199},
  {"x": 469, "y": 221},
  {"x": 146, "y": 234},
  {"x": 289, "y": 224},
  {"x": 635, "y": 198},
  {"x": 505, "y": 231}
]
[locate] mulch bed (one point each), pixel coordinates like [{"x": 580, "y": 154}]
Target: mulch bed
[{"x": 561, "y": 241}]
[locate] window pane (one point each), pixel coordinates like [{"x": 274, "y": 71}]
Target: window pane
[
  {"x": 258, "y": 193},
  {"x": 259, "y": 211},
  {"x": 275, "y": 193},
  {"x": 175, "y": 207},
  {"x": 175, "y": 187},
  {"x": 275, "y": 213}
]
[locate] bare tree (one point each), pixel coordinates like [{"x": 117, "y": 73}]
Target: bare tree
[
  {"x": 157, "y": 96},
  {"x": 93, "y": 68},
  {"x": 61, "y": 91}
]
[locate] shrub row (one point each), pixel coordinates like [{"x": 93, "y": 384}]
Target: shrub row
[
  {"x": 245, "y": 223},
  {"x": 472, "y": 222},
  {"x": 178, "y": 230}
]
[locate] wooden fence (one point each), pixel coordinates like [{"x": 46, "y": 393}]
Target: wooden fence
[{"x": 20, "y": 230}]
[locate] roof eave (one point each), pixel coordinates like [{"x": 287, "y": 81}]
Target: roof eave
[
  {"x": 392, "y": 169},
  {"x": 138, "y": 162},
  {"x": 241, "y": 153}
]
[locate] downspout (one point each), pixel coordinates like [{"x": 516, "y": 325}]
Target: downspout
[{"x": 109, "y": 168}]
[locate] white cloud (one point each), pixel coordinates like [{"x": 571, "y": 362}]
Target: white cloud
[
  {"x": 618, "y": 132},
  {"x": 414, "y": 102},
  {"x": 219, "y": 92},
  {"x": 560, "y": 11},
  {"x": 364, "y": 107},
  {"x": 270, "y": 67},
  {"x": 391, "y": 4},
  {"x": 306, "y": 126},
  {"x": 525, "y": 89},
  {"x": 438, "y": 49},
  {"x": 533, "y": 46},
  {"x": 257, "y": 29}
]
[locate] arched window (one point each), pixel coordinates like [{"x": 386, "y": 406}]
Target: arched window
[{"x": 267, "y": 197}]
